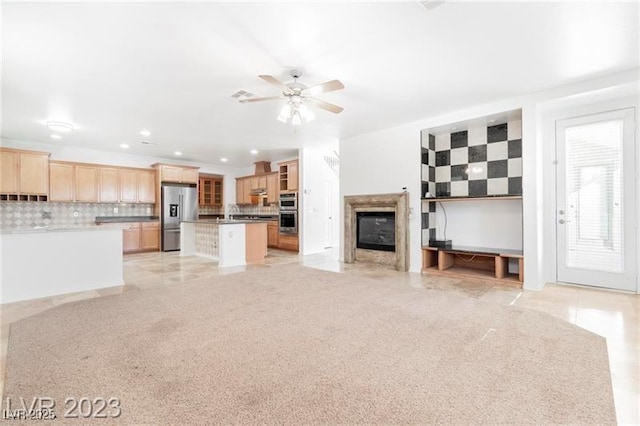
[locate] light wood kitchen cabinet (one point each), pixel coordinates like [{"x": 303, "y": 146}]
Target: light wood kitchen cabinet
[
  {"x": 108, "y": 184},
  {"x": 170, "y": 174},
  {"x": 255, "y": 182},
  {"x": 272, "y": 188},
  {"x": 146, "y": 186},
  {"x": 141, "y": 236},
  {"x": 128, "y": 186},
  {"x": 131, "y": 238},
  {"x": 61, "y": 182},
  {"x": 177, "y": 174},
  {"x": 189, "y": 175},
  {"x": 288, "y": 242},
  {"x": 272, "y": 234},
  {"x": 24, "y": 175},
  {"x": 246, "y": 193},
  {"x": 288, "y": 176},
  {"x": 86, "y": 184},
  {"x": 210, "y": 191},
  {"x": 93, "y": 183},
  {"x": 239, "y": 191},
  {"x": 9, "y": 161},
  {"x": 150, "y": 236},
  {"x": 34, "y": 173}
]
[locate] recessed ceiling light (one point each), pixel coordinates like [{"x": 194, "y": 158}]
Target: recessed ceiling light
[
  {"x": 254, "y": 151},
  {"x": 454, "y": 128},
  {"x": 224, "y": 160},
  {"x": 492, "y": 121},
  {"x": 145, "y": 132},
  {"x": 124, "y": 146},
  {"x": 177, "y": 153},
  {"x": 59, "y": 126},
  {"x": 54, "y": 136}
]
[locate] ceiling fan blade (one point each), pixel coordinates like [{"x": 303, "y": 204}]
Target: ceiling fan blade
[
  {"x": 325, "y": 105},
  {"x": 327, "y": 86},
  {"x": 267, "y": 98},
  {"x": 275, "y": 82}
]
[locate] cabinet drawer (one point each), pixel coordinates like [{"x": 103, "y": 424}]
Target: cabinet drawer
[{"x": 151, "y": 225}]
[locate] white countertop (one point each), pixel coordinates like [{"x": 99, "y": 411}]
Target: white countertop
[{"x": 54, "y": 228}]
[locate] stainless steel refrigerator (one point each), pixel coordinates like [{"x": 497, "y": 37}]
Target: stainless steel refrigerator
[{"x": 179, "y": 202}]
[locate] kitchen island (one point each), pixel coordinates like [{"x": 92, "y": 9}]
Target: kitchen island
[
  {"x": 230, "y": 242},
  {"x": 48, "y": 261}
]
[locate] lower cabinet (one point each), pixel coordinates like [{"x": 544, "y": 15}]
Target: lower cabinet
[
  {"x": 141, "y": 236},
  {"x": 288, "y": 242},
  {"x": 150, "y": 238},
  {"x": 272, "y": 234}
]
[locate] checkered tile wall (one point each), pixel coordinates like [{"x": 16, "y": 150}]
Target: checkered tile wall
[{"x": 479, "y": 162}]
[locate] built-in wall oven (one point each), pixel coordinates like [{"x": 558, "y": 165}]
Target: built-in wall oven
[
  {"x": 289, "y": 213},
  {"x": 288, "y": 221}
]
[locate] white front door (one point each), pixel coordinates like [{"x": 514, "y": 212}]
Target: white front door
[{"x": 596, "y": 208}]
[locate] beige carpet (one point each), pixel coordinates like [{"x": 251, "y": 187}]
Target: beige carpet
[{"x": 289, "y": 344}]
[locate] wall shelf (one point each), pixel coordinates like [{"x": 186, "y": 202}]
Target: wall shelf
[{"x": 497, "y": 197}]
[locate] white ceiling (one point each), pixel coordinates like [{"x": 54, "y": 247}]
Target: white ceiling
[{"x": 114, "y": 68}]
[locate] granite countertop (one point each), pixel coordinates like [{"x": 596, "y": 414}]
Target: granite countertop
[
  {"x": 123, "y": 219},
  {"x": 227, "y": 221},
  {"x": 69, "y": 228}
]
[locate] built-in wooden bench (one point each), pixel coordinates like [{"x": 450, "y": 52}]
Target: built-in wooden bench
[{"x": 474, "y": 261}]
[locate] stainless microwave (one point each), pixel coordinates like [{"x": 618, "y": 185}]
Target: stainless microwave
[{"x": 289, "y": 201}]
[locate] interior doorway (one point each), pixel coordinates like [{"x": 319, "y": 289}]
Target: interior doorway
[{"x": 596, "y": 200}]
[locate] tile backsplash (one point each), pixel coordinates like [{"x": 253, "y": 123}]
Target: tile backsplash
[
  {"x": 260, "y": 210},
  {"x": 210, "y": 210},
  {"x": 16, "y": 215}
]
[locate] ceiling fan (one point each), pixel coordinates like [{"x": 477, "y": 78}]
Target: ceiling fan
[{"x": 298, "y": 95}]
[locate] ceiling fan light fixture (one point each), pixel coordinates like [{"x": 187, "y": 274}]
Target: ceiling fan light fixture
[
  {"x": 285, "y": 112},
  {"x": 59, "y": 126},
  {"x": 296, "y": 120}
]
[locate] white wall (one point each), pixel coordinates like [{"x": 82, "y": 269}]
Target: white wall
[
  {"x": 313, "y": 212},
  {"x": 386, "y": 160},
  {"x": 474, "y": 223},
  {"x": 85, "y": 155}
]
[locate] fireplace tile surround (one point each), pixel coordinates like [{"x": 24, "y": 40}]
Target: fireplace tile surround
[{"x": 398, "y": 203}]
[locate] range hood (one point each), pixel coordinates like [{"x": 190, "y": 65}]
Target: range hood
[{"x": 259, "y": 191}]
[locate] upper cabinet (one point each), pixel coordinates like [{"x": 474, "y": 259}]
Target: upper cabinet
[
  {"x": 86, "y": 184},
  {"x": 176, "y": 174},
  {"x": 268, "y": 181},
  {"x": 61, "y": 181},
  {"x": 108, "y": 184},
  {"x": 128, "y": 186},
  {"x": 288, "y": 176},
  {"x": 100, "y": 184},
  {"x": 210, "y": 191},
  {"x": 146, "y": 181},
  {"x": 272, "y": 188},
  {"x": 24, "y": 175},
  {"x": 9, "y": 161}
]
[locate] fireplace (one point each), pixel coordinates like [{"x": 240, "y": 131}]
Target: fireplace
[{"x": 376, "y": 231}]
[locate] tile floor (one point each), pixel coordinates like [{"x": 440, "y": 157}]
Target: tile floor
[{"x": 613, "y": 315}]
